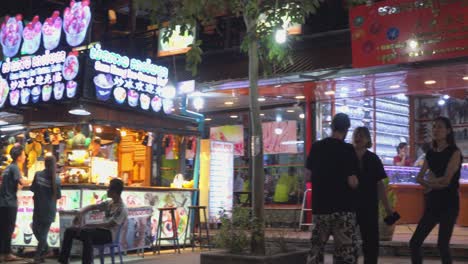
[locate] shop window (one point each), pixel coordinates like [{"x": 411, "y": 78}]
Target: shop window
[
  {"x": 386, "y": 117},
  {"x": 178, "y": 154},
  {"x": 283, "y": 139}
]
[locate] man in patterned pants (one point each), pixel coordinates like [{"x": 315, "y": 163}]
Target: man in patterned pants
[{"x": 333, "y": 166}]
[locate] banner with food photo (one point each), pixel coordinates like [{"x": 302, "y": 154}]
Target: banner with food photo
[
  {"x": 23, "y": 234},
  {"x": 138, "y": 199},
  {"x": 130, "y": 82},
  {"x": 279, "y": 137},
  {"x": 32, "y": 73},
  {"x": 234, "y": 134}
]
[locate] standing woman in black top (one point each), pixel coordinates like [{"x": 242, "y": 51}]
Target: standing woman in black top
[
  {"x": 442, "y": 165},
  {"x": 371, "y": 189}
]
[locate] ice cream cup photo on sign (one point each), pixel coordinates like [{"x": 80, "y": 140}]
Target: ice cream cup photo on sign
[
  {"x": 156, "y": 103},
  {"x": 25, "y": 93},
  {"x": 76, "y": 21},
  {"x": 70, "y": 67},
  {"x": 133, "y": 98},
  {"x": 14, "y": 97},
  {"x": 46, "y": 92},
  {"x": 27, "y": 234},
  {"x": 10, "y": 35},
  {"x": 54, "y": 235},
  {"x": 168, "y": 106},
  {"x": 120, "y": 94},
  {"x": 144, "y": 101},
  {"x": 32, "y": 36},
  {"x": 104, "y": 84},
  {"x": 4, "y": 89},
  {"x": 35, "y": 94},
  {"x": 71, "y": 89},
  {"x": 59, "y": 88},
  {"x": 51, "y": 31}
]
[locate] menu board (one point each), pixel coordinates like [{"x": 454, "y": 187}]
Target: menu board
[
  {"x": 221, "y": 179},
  {"x": 41, "y": 73},
  {"x": 131, "y": 82}
]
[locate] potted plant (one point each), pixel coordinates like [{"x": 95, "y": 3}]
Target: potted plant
[
  {"x": 386, "y": 231},
  {"x": 235, "y": 238}
]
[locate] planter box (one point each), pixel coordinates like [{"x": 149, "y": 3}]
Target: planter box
[{"x": 296, "y": 257}]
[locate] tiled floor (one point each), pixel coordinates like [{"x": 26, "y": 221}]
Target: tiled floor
[{"x": 402, "y": 233}]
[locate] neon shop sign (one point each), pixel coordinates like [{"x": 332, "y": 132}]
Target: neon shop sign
[
  {"x": 31, "y": 79},
  {"x": 138, "y": 82}
]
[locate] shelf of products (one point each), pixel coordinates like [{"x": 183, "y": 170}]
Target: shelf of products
[
  {"x": 76, "y": 169},
  {"x": 427, "y": 109},
  {"x": 391, "y": 121}
]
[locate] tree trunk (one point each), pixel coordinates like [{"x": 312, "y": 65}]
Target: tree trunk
[{"x": 256, "y": 147}]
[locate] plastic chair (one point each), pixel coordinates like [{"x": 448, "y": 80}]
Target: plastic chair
[{"x": 112, "y": 246}]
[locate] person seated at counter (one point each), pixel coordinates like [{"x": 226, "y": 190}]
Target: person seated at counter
[
  {"x": 402, "y": 159},
  {"x": 96, "y": 234},
  {"x": 96, "y": 148},
  {"x": 286, "y": 187}
]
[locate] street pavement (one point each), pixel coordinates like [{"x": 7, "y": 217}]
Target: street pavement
[{"x": 189, "y": 257}]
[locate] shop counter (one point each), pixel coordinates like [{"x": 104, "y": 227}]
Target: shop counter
[
  {"x": 409, "y": 194},
  {"x": 463, "y": 213},
  {"x": 409, "y": 202},
  {"x": 142, "y": 203}
]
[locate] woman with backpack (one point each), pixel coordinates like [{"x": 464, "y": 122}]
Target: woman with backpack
[{"x": 46, "y": 189}]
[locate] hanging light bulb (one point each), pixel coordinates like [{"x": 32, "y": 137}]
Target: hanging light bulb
[
  {"x": 198, "y": 103},
  {"x": 281, "y": 36}
]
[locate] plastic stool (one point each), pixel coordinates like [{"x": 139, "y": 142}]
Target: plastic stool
[
  {"x": 195, "y": 211},
  {"x": 175, "y": 237}
]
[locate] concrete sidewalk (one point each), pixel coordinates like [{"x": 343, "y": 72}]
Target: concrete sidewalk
[{"x": 189, "y": 257}]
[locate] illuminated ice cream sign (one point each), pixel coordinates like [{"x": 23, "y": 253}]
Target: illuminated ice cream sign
[
  {"x": 31, "y": 79},
  {"x": 75, "y": 23},
  {"x": 139, "y": 83}
]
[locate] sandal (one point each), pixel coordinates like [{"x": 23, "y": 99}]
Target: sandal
[{"x": 10, "y": 258}]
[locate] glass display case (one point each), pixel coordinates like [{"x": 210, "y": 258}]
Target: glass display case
[
  {"x": 402, "y": 175},
  {"x": 464, "y": 173},
  {"x": 407, "y": 175}
]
